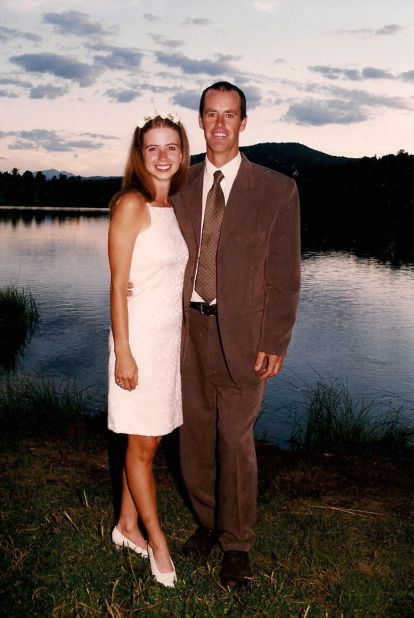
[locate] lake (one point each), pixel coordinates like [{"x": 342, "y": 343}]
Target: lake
[{"x": 355, "y": 322}]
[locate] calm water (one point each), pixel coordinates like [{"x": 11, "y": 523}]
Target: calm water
[{"x": 355, "y": 322}]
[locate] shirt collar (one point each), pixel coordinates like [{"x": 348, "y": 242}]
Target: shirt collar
[{"x": 229, "y": 170}]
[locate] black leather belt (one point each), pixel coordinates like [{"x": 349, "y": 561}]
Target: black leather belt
[{"x": 204, "y": 309}]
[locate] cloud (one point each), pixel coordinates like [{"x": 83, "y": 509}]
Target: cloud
[
  {"x": 74, "y": 22},
  {"x": 150, "y": 17},
  {"x": 342, "y": 106},
  {"x": 133, "y": 90},
  {"x": 170, "y": 43},
  {"x": 370, "y": 100},
  {"x": 123, "y": 96},
  {"x": 65, "y": 67},
  {"x": 197, "y": 21},
  {"x": 361, "y": 97},
  {"x": 253, "y": 96},
  {"x": 193, "y": 67},
  {"x": 190, "y": 99},
  {"x": 265, "y": 6},
  {"x": 334, "y": 73},
  {"x": 99, "y": 136},
  {"x": 50, "y": 141},
  {"x": 373, "y": 73},
  {"x": 407, "y": 76},
  {"x": 124, "y": 58},
  {"x": 7, "y": 94},
  {"x": 9, "y": 34},
  {"x": 227, "y": 57},
  {"x": 14, "y": 81},
  {"x": 47, "y": 92},
  {"x": 357, "y": 31},
  {"x": 389, "y": 29},
  {"x": 322, "y": 112}
]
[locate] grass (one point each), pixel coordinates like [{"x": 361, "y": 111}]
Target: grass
[
  {"x": 18, "y": 318},
  {"x": 334, "y": 423},
  {"x": 335, "y": 535},
  {"x": 34, "y": 407}
]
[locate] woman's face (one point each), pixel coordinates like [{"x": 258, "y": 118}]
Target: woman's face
[{"x": 162, "y": 152}]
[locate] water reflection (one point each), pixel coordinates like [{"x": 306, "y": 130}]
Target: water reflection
[
  {"x": 355, "y": 320},
  {"x": 36, "y": 217}
]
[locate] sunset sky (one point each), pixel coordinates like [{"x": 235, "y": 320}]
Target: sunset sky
[{"x": 75, "y": 77}]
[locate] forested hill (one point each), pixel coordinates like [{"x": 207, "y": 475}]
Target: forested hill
[
  {"x": 286, "y": 156},
  {"x": 365, "y": 205}
]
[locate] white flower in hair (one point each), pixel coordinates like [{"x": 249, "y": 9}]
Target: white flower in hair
[
  {"x": 143, "y": 120},
  {"x": 173, "y": 117}
]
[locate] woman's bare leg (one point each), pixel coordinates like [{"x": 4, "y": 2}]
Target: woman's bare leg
[
  {"x": 128, "y": 517},
  {"x": 140, "y": 480}
]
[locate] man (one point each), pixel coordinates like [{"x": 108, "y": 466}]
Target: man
[{"x": 241, "y": 224}]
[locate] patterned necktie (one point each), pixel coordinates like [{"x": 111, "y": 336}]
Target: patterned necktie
[{"x": 206, "y": 275}]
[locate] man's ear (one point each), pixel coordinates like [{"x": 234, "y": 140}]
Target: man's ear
[
  {"x": 200, "y": 122},
  {"x": 243, "y": 124}
]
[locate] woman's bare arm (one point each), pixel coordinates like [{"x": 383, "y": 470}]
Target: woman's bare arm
[{"x": 130, "y": 216}]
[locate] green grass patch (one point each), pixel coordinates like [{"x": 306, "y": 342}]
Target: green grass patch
[
  {"x": 18, "y": 318},
  {"x": 335, "y": 537}
]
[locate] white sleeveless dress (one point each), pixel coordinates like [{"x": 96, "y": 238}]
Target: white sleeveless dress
[{"x": 158, "y": 262}]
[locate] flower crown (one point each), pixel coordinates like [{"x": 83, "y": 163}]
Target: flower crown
[{"x": 172, "y": 117}]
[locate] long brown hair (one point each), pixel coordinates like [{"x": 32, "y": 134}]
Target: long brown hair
[{"x": 136, "y": 177}]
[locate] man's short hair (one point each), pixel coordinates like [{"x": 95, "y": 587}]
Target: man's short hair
[{"x": 224, "y": 87}]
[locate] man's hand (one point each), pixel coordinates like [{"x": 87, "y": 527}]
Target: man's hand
[{"x": 268, "y": 365}]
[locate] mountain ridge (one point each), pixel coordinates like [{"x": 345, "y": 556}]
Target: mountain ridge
[{"x": 264, "y": 153}]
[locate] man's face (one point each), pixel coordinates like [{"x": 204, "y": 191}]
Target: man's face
[{"x": 221, "y": 123}]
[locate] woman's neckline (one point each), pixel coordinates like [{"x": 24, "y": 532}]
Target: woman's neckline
[{"x": 160, "y": 206}]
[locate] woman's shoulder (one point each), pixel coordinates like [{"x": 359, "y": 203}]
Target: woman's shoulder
[
  {"x": 130, "y": 199},
  {"x": 130, "y": 207},
  {"x": 129, "y": 202}
]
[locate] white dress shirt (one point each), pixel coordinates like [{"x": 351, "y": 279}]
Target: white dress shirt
[{"x": 229, "y": 172}]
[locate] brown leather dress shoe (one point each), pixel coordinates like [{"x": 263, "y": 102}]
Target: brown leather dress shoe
[
  {"x": 235, "y": 569},
  {"x": 200, "y": 544}
]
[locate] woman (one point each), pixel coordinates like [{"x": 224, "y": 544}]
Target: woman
[{"x": 146, "y": 247}]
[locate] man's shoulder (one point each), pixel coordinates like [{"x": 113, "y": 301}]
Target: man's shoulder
[
  {"x": 266, "y": 174},
  {"x": 195, "y": 168}
]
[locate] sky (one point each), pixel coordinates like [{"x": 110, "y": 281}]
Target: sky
[{"x": 76, "y": 77}]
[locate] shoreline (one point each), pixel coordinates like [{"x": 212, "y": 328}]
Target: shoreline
[{"x": 56, "y": 208}]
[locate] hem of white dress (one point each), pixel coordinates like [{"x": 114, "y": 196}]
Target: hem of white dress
[{"x": 146, "y": 434}]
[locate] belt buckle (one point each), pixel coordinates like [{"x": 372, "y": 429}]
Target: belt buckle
[{"x": 202, "y": 305}]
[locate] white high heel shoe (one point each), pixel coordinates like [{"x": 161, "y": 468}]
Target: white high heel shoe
[
  {"x": 166, "y": 579},
  {"x": 121, "y": 541}
]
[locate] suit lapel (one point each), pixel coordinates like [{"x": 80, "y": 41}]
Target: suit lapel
[
  {"x": 190, "y": 202},
  {"x": 241, "y": 198}
]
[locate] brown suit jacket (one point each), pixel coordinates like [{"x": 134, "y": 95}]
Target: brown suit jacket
[{"x": 258, "y": 262}]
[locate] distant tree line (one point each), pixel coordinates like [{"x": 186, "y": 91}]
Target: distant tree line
[
  {"x": 29, "y": 189},
  {"x": 365, "y": 205}
]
